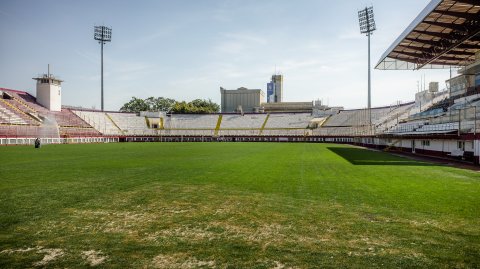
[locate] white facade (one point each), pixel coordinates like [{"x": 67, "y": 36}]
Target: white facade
[
  {"x": 277, "y": 81},
  {"x": 49, "y": 92},
  {"x": 249, "y": 100}
]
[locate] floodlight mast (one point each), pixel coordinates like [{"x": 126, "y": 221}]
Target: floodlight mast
[
  {"x": 367, "y": 26},
  {"x": 103, "y": 34}
]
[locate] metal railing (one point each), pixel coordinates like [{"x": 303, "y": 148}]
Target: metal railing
[{"x": 5, "y": 141}]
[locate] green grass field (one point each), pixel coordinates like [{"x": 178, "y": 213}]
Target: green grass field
[{"x": 233, "y": 205}]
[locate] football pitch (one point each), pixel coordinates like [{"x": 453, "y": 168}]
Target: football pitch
[{"x": 233, "y": 205}]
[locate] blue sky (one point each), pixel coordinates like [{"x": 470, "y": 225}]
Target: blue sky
[{"x": 187, "y": 49}]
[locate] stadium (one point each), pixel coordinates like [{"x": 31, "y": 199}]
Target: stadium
[{"x": 279, "y": 186}]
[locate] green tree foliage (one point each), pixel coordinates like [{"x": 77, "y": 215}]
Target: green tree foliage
[
  {"x": 135, "y": 105},
  {"x": 159, "y": 103},
  {"x": 197, "y": 106}
]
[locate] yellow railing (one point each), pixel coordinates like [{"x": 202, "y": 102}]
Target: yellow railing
[
  {"x": 114, "y": 124},
  {"x": 264, "y": 123},
  {"x": 217, "y": 127}
]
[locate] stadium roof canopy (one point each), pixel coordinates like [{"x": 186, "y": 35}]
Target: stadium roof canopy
[{"x": 446, "y": 33}]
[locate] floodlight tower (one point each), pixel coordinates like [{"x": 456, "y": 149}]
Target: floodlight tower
[
  {"x": 103, "y": 34},
  {"x": 367, "y": 26}
]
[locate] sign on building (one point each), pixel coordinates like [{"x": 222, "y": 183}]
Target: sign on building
[{"x": 270, "y": 92}]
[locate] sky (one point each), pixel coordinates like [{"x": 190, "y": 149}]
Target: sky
[{"x": 188, "y": 49}]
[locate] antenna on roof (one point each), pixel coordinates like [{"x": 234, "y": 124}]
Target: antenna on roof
[
  {"x": 48, "y": 72},
  {"x": 424, "y": 82}
]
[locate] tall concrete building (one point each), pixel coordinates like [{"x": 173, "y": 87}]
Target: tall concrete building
[
  {"x": 241, "y": 100},
  {"x": 49, "y": 92},
  {"x": 275, "y": 89}
]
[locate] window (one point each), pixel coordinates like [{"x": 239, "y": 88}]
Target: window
[
  {"x": 426, "y": 143},
  {"x": 461, "y": 145}
]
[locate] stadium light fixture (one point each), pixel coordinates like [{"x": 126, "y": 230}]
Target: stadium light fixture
[
  {"x": 367, "y": 26},
  {"x": 103, "y": 34}
]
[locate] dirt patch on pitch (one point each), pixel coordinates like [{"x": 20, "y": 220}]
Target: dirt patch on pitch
[
  {"x": 180, "y": 260},
  {"x": 19, "y": 250},
  {"x": 280, "y": 265},
  {"x": 51, "y": 254},
  {"x": 93, "y": 258},
  {"x": 187, "y": 233}
]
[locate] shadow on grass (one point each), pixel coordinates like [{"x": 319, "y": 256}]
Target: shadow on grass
[{"x": 358, "y": 156}]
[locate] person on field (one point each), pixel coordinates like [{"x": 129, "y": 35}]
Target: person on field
[{"x": 37, "y": 143}]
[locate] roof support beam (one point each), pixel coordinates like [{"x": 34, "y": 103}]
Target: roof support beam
[
  {"x": 475, "y": 38},
  {"x": 414, "y": 48},
  {"x": 411, "y": 54},
  {"x": 422, "y": 41},
  {"x": 450, "y": 58},
  {"x": 442, "y": 63},
  {"x": 466, "y": 53},
  {"x": 456, "y": 14},
  {"x": 433, "y": 43},
  {"x": 429, "y": 50},
  {"x": 448, "y": 44},
  {"x": 433, "y": 34},
  {"x": 452, "y": 26},
  {"x": 405, "y": 59},
  {"x": 469, "y": 46},
  {"x": 469, "y": 2}
]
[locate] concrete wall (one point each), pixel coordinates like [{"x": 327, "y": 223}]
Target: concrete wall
[
  {"x": 459, "y": 84},
  {"x": 49, "y": 95},
  {"x": 248, "y": 99},
  {"x": 288, "y": 107},
  {"x": 440, "y": 146}
]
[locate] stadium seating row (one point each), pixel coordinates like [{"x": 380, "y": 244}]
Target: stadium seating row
[
  {"x": 358, "y": 117},
  {"x": 9, "y": 117},
  {"x": 190, "y": 122},
  {"x": 100, "y": 121},
  {"x": 19, "y": 109}
]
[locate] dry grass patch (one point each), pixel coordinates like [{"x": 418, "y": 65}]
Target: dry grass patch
[
  {"x": 180, "y": 260},
  {"x": 93, "y": 258},
  {"x": 19, "y": 250},
  {"x": 51, "y": 254}
]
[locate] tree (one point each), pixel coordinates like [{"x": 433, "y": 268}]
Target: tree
[
  {"x": 160, "y": 103},
  {"x": 206, "y": 106},
  {"x": 149, "y": 104},
  {"x": 135, "y": 105},
  {"x": 182, "y": 107},
  {"x": 197, "y": 106}
]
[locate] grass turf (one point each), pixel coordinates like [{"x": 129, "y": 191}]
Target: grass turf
[{"x": 233, "y": 205}]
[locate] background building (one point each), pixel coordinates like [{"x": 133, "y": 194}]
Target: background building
[
  {"x": 241, "y": 100},
  {"x": 275, "y": 89}
]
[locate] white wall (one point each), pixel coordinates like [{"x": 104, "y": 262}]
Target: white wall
[
  {"x": 50, "y": 96},
  {"x": 440, "y": 145}
]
